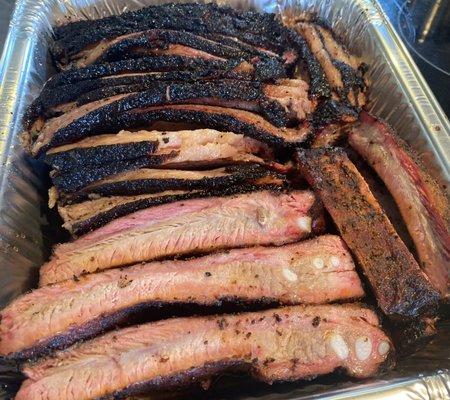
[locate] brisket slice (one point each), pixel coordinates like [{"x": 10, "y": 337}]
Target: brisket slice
[
  {"x": 281, "y": 344},
  {"x": 168, "y": 42},
  {"x": 314, "y": 272},
  {"x": 110, "y": 118},
  {"x": 257, "y": 69},
  {"x": 343, "y": 72},
  {"x": 104, "y": 80},
  {"x": 401, "y": 288},
  {"x": 280, "y": 104},
  {"x": 198, "y": 225},
  {"x": 261, "y": 30},
  {"x": 80, "y": 218},
  {"x": 147, "y": 180},
  {"x": 155, "y": 64},
  {"x": 84, "y": 175},
  {"x": 422, "y": 203},
  {"x": 186, "y": 148},
  {"x": 256, "y": 29}
]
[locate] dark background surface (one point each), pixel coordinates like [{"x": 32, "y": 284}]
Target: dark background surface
[{"x": 433, "y": 51}]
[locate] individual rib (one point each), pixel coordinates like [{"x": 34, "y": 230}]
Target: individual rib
[
  {"x": 282, "y": 344},
  {"x": 401, "y": 288},
  {"x": 316, "y": 271},
  {"x": 198, "y": 225},
  {"x": 422, "y": 203},
  {"x": 81, "y": 216}
]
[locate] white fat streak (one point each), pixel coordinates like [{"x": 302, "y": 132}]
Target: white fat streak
[
  {"x": 338, "y": 345},
  {"x": 363, "y": 348},
  {"x": 383, "y": 347},
  {"x": 304, "y": 223},
  {"x": 290, "y": 275}
]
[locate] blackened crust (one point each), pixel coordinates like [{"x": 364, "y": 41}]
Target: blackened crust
[
  {"x": 187, "y": 378},
  {"x": 82, "y": 227},
  {"x": 65, "y": 161},
  {"x": 161, "y": 39},
  {"x": 351, "y": 79},
  {"x": 402, "y": 290},
  {"x": 318, "y": 85},
  {"x": 159, "y": 93},
  {"x": 103, "y": 80},
  {"x": 83, "y": 175},
  {"x": 331, "y": 111},
  {"x": 109, "y": 119},
  {"x": 99, "y": 88},
  {"x": 167, "y": 63},
  {"x": 163, "y": 63},
  {"x": 236, "y": 174},
  {"x": 219, "y": 120},
  {"x": 251, "y": 27}
]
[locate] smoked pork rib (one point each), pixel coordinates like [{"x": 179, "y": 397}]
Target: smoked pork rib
[
  {"x": 401, "y": 288},
  {"x": 82, "y": 217},
  {"x": 198, "y": 225},
  {"x": 315, "y": 271},
  {"x": 422, "y": 203},
  {"x": 281, "y": 344}
]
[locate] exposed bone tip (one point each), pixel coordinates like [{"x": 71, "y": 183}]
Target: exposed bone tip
[
  {"x": 339, "y": 346},
  {"x": 363, "y": 348},
  {"x": 304, "y": 223}
]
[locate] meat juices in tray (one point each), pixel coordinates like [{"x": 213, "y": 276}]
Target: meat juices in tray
[{"x": 194, "y": 160}]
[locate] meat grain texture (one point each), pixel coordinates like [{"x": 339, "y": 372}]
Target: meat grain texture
[
  {"x": 199, "y": 225},
  {"x": 316, "y": 271},
  {"x": 275, "y": 345},
  {"x": 423, "y": 204}
]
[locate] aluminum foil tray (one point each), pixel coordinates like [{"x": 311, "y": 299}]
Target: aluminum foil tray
[{"x": 398, "y": 94}]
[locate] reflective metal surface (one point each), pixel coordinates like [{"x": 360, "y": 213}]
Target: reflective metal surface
[{"x": 398, "y": 94}]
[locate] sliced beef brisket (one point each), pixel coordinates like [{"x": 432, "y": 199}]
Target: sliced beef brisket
[{"x": 113, "y": 115}]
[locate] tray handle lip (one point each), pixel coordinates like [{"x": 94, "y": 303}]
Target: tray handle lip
[
  {"x": 15, "y": 64},
  {"x": 429, "y": 112},
  {"x": 433, "y": 385}
]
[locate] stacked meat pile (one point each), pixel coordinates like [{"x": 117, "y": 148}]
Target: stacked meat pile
[{"x": 174, "y": 132}]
